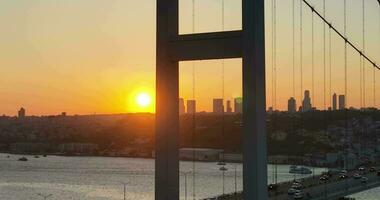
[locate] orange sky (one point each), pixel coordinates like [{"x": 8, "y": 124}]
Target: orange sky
[{"x": 86, "y": 57}]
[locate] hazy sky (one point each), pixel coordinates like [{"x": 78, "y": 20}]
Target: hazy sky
[{"x": 94, "y": 56}]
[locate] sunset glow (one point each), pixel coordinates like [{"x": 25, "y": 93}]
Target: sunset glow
[{"x": 143, "y": 100}]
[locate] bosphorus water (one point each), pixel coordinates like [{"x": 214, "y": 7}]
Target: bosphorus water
[{"x": 102, "y": 178}]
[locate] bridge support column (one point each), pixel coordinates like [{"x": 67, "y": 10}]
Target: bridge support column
[
  {"x": 254, "y": 114},
  {"x": 248, "y": 44}
]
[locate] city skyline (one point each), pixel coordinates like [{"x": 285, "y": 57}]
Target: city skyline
[{"x": 90, "y": 64}]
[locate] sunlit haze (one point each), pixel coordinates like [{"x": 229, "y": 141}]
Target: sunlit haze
[{"x": 94, "y": 56}]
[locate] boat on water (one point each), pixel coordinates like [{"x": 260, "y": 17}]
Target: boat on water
[
  {"x": 299, "y": 170},
  {"x": 22, "y": 159}
]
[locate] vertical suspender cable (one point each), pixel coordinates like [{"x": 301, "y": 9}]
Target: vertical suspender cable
[
  {"x": 345, "y": 52},
  {"x": 293, "y": 76},
  {"x": 272, "y": 66},
  {"x": 301, "y": 49},
  {"x": 330, "y": 69},
  {"x": 193, "y": 96},
  {"x": 312, "y": 58},
  {"x": 324, "y": 57},
  {"x": 223, "y": 96},
  {"x": 374, "y": 69},
  {"x": 364, "y": 80},
  {"x": 275, "y": 54},
  {"x": 345, "y": 78}
]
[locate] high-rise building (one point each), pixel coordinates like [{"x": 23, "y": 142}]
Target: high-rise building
[
  {"x": 181, "y": 106},
  {"x": 21, "y": 113},
  {"x": 238, "y": 105},
  {"x": 292, "y": 105},
  {"x": 334, "y": 102},
  {"x": 218, "y": 107},
  {"x": 342, "y": 102},
  {"x": 306, "y": 103},
  {"x": 229, "y": 108},
  {"x": 191, "y": 106}
]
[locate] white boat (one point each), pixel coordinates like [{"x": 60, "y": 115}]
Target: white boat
[{"x": 299, "y": 170}]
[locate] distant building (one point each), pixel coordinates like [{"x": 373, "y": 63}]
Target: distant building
[
  {"x": 21, "y": 113},
  {"x": 199, "y": 154},
  {"x": 181, "y": 107},
  {"x": 229, "y": 108},
  {"x": 191, "y": 106},
  {"x": 292, "y": 106},
  {"x": 218, "y": 107},
  {"x": 306, "y": 103},
  {"x": 28, "y": 147},
  {"x": 78, "y": 148},
  {"x": 238, "y": 105},
  {"x": 270, "y": 110},
  {"x": 334, "y": 102},
  {"x": 342, "y": 102}
]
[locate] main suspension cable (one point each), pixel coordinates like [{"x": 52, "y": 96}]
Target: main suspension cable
[{"x": 343, "y": 36}]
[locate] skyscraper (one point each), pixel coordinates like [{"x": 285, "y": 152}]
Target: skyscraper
[
  {"x": 238, "y": 105},
  {"x": 21, "y": 113},
  {"x": 334, "y": 102},
  {"x": 292, "y": 105},
  {"x": 229, "y": 108},
  {"x": 306, "y": 103},
  {"x": 181, "y": 106},
  {"x": 218, "y": 107},
  {"x": 191, "y": 106},
  {"x": 342, "y": 102}
]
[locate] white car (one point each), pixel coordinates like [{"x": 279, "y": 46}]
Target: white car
[
  {"x": 357, "y": 176},
  {"x": 364, "y": 179},
  {"x": 292, "y": 191},
  {"x": 298, "y": 195}
]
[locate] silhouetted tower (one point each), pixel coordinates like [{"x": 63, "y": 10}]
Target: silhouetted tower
[
  {"x": 292, "y": 105},
  {"x": 342, "y": 102},
  {"x": 218, "y": 107},
  {"x": 306, "y": 103},
  {"x": 21, "y": 113},
  {"x": 191, "y": 106},
  {"x": 181, "y": 106},
  {"x": 229, "y": 108},
  {"x": 238, "y": 105},
  {"x": 334, "y": 101}
]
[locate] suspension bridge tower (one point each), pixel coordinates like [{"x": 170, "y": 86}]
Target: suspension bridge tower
[{"x": 248, "y": 44}]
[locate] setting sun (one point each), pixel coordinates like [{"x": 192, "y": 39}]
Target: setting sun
[{"x": 143, "y": 99}]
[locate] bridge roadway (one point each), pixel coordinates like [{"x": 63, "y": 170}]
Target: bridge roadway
[{"x": 314, "y": 189}]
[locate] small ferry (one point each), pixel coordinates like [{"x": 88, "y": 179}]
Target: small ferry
[
  {"x": 299, "y": 170},
  {"x": 22, "y": 159}
]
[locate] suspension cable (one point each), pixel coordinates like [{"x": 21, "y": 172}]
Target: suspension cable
[
  {"x": 343, "y": 36},
  {"x": 275, "y": 54},
  {"x": 293, "y": 76},
  {"x": 345, "y": 79},
  {"x": 194, "y": 111},
  {"x": 272, "y": 66},
  {"x": 301, "y": 49},
  {"x": 223, "y": 96},
  {"x": 374, "y": 73},
  {"x": 312, "y": 59},
  {"x": 324, "y": 57},
  {"x": 330, "y": 69},
  {"x": 364, "y": 75},
  {"x": 345, "y": 53}
]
